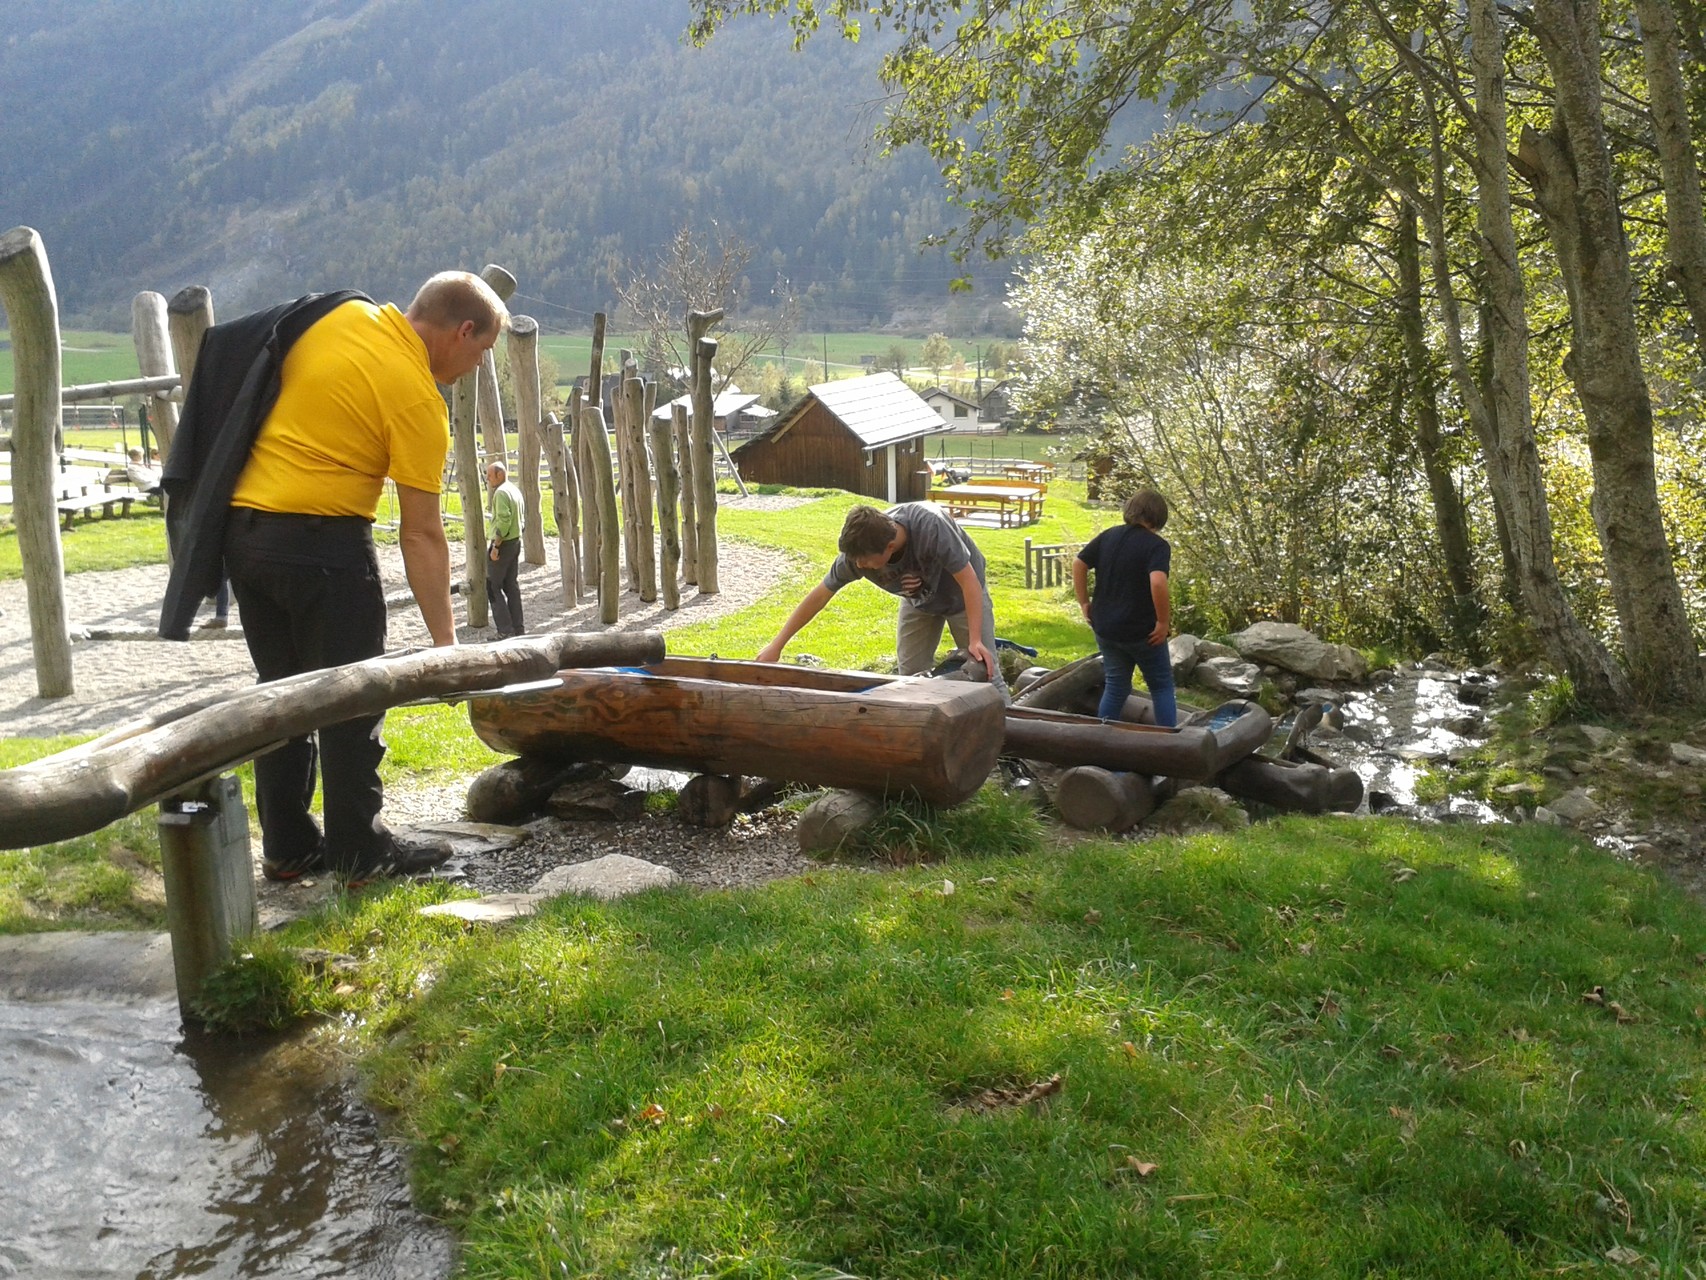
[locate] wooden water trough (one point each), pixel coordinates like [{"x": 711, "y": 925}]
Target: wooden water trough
[{"x": 887, "y": 735}]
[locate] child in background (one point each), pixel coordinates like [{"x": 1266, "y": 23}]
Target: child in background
[{"x": 1131, "y": 610}]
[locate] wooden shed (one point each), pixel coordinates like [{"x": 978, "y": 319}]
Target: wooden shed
[{"x": 864, "y": 435}]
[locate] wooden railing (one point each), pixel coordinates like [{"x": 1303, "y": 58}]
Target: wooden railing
[{"x": 1046, "y": 563}]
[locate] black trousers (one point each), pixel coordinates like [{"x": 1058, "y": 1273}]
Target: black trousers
[
  {"x": 308, "y": 588},
  {"x": 503, "y": 588}
]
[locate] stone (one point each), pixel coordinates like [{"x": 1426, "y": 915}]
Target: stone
[
  {"x": 494, "y": 908},
  {"x": 613, "y": 876},
  {"x": 1214, "y": 649},
  {"x": 1184, "y": 651},
  {"x": 831, "y": 819},
  {"x": 1684, "y": 753},
  {"x": 1288, "y": 645},
  {"x": 597, "y": 800},
  {"x": 1229, "y": 676},
  {"x": 1597, "y": 735},
  {"x": 1547, "y": 817},
  {"x": 1474, "y": 693},
  {"x": 1464, "y": 726},
  {"x": 1574, "y": 806},
  {"x": 518, "y": 789}
]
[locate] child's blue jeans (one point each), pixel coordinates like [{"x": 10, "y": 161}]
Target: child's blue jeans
[{"x": 1156, "y": 663}]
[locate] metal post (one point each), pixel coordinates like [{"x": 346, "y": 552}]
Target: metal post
[{"x": 210, "y": 883}]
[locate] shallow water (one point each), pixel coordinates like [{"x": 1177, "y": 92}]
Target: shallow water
[{"x": 130, "y": 1149}]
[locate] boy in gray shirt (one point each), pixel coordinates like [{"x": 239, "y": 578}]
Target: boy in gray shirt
[{"x": 916, "y": 552}]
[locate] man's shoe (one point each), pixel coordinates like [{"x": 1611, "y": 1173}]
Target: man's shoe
[
  {"x": 401, "y": 856},
  {"x": 290, "y": 869},
  {"x": 216, "y": 623}
]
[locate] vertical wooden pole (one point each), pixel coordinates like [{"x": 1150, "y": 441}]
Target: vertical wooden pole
[
  {"x": 471, "y": 484},
  {"x": 32, "y": 310},
  {"x": 210, "y": 884},
  {"x": 188, "y": 316},
  {"x": 592, "y": 554},
  {"x": 524, "y": 372},
  {"x": 620, "y": 429},
  {"x": 490, "y": 408},
  {"x": 640, "y": 484},
  {"x": 153, "y": 339},
  {"x": 565, "y": 496},
  {"x": 604, "y": 486},
  {"x": 704, "y": 466},
  {"x": 669, "y": 516},
  {"x": 684, "y": 469}
]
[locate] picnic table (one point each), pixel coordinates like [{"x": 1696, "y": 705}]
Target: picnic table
[
  {"x": 1034, "y": 473},
  {"x": 1009, "y": 505}
]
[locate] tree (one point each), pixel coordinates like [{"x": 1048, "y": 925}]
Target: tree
[{"x": 936, "y": 352}]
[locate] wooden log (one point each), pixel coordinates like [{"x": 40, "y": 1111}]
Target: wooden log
[
  {"x": 591, "y": 530},
  {"x": 86, "y": 391},
  {"x": 210, "y": 882},
  {"x": 471, "y": 485},
  {"x": 619, "y": 430},
  {"x": 565, "y": 507},
  {"x": 493, "y": 447},
  {"x": 704, "y": 352},
  {"x": 709, "y": 800},
  {"x": 642, "y": 488},
  {"x": 189, "y": 315},
  {"x": 604, "y": 489},
  {"x": 669, "y": 514},
  {"x": 937, "y": 739},
  {"x": 1061, "y": 738},
  {"x": 32, "y": 311},
  {"x": 1061, "y": 689},
  {"x": 684, "y": 469},
  {"x": 153, "y": 339},
  {"x": 83, "y": 789},
  {"x": 1293, "y": 786},
  {"x": 524, "y": 373},
  {"x": 1094, "y": 799}
]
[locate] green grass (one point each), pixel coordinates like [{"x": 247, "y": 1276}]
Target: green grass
[
  {"x": 84, "y": 357},
  {"x": 116, "y": 542},
  {"x": 1320, "y": 1047}
]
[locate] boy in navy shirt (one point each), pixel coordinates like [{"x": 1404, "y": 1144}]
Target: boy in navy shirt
[{"x": 1131, "y": 610}]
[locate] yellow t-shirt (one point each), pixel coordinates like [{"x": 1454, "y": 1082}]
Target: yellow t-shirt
[{"x": 358, "y": 404}]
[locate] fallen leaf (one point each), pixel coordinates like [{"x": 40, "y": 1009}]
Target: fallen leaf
[
  {"x": 1519, "y": 1035},
  {"x": 713, "y": 1111},
  {"x": 1623, "y": 1015},
  {"x": 1007, "y": 994},
  {"x": 343, "y": 989},
  {"x": 499, "y": 1069},
  {"x": 1305, "y": 948},
  {"x": 1391, "y": 1051},
  {"x": 1406, "y": 1122},
  {"x": 651, "y": 1113},
  {"x": 1092, "y": 916},
  {"x": 1624, "y": 1255},
  {"x": 1143, "y": 1168},
  {"x": 1329, "y": 1007},
  {"x": 1130, "y": 1049},
  {"x": 1596, "y": 996}
]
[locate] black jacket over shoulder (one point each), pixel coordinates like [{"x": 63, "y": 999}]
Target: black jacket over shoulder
[{"x": 236, "y": 383}]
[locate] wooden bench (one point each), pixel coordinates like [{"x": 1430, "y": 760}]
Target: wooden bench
[
  {"x": 71, "y": 508},
  {"x": 1010, "y": 505}
]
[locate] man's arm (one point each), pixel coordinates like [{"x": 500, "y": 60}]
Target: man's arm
[
  {"x": 1159, "y": 592},
  {"x": 977, "y": 644},
  {"x": 1081, "y": 586},
  {"x": 804, "y": 612},
  {"x": 426, "y": 560}
]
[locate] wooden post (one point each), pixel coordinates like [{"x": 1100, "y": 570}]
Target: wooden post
[
  {"x": 704, "y": 465},
  {"x": 684, "y": 469},
  {"x": 471, "y": 484},
  {"x": 604, "y": 484},
  {"x": 490, "y": 407},
  {"x": 565, "y": 498},
  {"x": 641, "y": 485},
  {"x": 621, "y": 429},
  {"x": 210, "y": 885},
  {"x": 153, "y": 339},
  {"x": 524, "y": 372},
  {"x": 188, "y": 316},
  {"x": 32, "y": 310},
  {"x": 669, "y": 517},
  {"x": 591, "y": 529}
]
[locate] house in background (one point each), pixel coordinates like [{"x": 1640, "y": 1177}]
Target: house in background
[
  {"x": 735, "y": 414},
  {"x": 996, "y": 403},
  {"x": 956, "y": 411},
  {"x": 865, "y": 435}
]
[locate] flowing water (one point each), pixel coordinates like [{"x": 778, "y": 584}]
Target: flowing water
[{"x": 130, "y": 1149}]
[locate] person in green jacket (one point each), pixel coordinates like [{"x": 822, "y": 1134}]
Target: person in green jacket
[{"x": 503, "y": 583}]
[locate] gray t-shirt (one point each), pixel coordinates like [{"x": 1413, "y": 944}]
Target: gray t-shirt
[{"x": 936, "y": 549}]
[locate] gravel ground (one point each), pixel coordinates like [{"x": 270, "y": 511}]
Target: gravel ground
[{"x": 120, "y": 679}]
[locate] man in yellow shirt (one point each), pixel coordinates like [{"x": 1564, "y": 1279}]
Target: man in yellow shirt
[{"x": 357, "y": 402}]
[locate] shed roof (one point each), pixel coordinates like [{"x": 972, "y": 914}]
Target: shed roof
[{"x": 880, "y": 409}]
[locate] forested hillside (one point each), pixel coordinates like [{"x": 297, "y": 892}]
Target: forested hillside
[{"x": 268, "y": 149}]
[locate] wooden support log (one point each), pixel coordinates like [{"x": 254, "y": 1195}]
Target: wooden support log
[
  {"x": 210, "y": 883},
  {"x": 524, "y": 373},
  {"x": 604, "y": 489},
  {"x": 471, "y": 486},
  {"x": 86, "y": 391},
  {"x": 1293, "y": 786},
  {"x": 709, "y": 800},
  {"x": 85, "y": 788},
  {"x": 189, "y": 315},
  {"x": 565, "y": 507},
  {"x": 153, "y": 339},
  {"x": 684, "y": 468},
  {"x": 669, "y": 515},
  {"x": 619, "y": 430},
  {"x": 638, "y": 398},
  {"x": 1061, "y": 738},
  {"x": 1061, "y": 689},
  {"x": 32, "y": 311},
  {"x": 1094, "y": 799},
  {"x": 493, "y": 447},
  {"x": 591, "y": 530},
  {"x": 704, "y": 352}
]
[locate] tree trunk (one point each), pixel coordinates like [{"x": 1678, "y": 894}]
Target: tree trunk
[
  {"x": 1463, "y": 613},
  {"x": 641, "y": 486},
  {"x": 689, "y": 519},
  {"x": 153, "y": 339},
  {"x": 609, "y": 536},
  {"x": 1685, "y": 224},
  {"x": 32, "y": 310},
  {"x": 471, "y": 484},
  {"x": 1576, "y": 191},
  {"x": 704, "y": 464},
  {"x": 524, "y": 373},
  {"x": 565, "y": 497},
  {"x": 669, "y": 515},
  {"x": 1507, "y": 424}
]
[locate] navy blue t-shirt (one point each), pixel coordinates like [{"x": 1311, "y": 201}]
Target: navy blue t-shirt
[{"x": 1123, "y": 557}]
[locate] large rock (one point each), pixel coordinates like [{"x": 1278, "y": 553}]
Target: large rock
[
  {"x": 1574, "y": 806},
  {"x": 1229, "y": 676},
  {"x": 833, "y": 818},
  {"x": 1183, "y": 651},
  {"x": 613, "y": 876},
  {"x": 1285, "y": 644}
]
